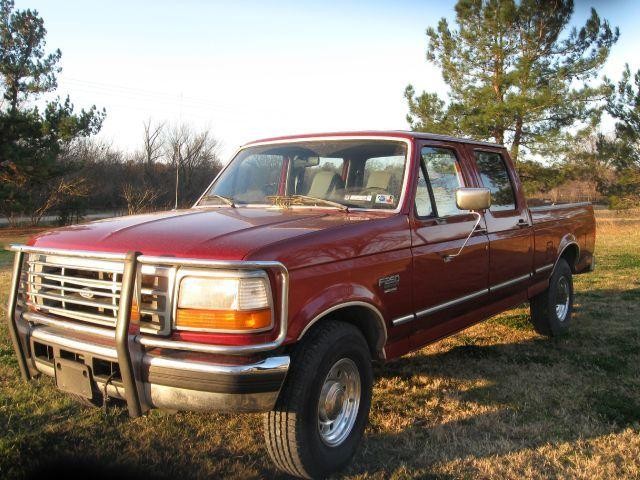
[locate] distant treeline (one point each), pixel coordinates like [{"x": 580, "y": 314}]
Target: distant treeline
[
  {"x": 174, "y": 164},
  {"x": 172, "y": 168}
]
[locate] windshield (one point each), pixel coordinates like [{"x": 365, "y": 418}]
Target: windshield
[{"x": 348, "y": 173}]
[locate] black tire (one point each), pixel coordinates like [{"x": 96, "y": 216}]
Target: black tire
[
  {"x": 544, "y": 315},
  {"x": 291, "y": 430}
]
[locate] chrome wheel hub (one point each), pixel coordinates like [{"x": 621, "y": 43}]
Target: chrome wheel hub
[
  {"x": 563, "y": 297},
  {"x": 339, "y": 402}
]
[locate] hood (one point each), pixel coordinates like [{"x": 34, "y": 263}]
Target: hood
[{"x": 217, "y": 233}]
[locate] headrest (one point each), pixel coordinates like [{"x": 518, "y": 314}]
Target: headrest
[
  {"x": 379, "y": 179},
  {"x": 323, "y": 182}
]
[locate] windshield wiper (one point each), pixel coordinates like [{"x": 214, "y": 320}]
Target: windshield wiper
[
  {"x": 288, "y": 200},
  {"x": 307, "y": 198},
  {"x": 227, "y": 200}
]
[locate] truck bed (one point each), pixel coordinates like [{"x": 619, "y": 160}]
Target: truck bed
[{"x": 555, "y": 226}]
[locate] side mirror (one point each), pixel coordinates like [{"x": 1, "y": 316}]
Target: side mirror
[{"x": 473, "y": 199}]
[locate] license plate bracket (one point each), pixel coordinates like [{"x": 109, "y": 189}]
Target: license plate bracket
[{"x": 73, "y": 377}]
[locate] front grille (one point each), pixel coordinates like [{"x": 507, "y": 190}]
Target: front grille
[
  {"x": 77, "y": 288},
  {"x": 88, "y": 290},
  {"x": 155, "y": 287}
]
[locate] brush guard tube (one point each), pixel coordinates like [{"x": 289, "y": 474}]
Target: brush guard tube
[{"x": 219, "y": 387}]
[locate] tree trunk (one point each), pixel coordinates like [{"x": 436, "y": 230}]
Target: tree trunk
[
  {"x": 13, "y": 99},
  {"x": 517, "y": 137}
]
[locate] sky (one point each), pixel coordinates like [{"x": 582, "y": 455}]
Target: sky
[{"x": 248, "y": 69}]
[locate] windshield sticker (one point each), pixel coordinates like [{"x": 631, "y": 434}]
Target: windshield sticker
[
  {"x": 358, "y": 198},
  {"x": 385, "y": 199}
]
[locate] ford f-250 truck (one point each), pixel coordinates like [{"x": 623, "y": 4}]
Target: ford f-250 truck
[{"x": 306, "y": 258}]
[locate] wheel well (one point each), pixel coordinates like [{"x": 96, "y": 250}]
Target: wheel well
[
  {"x": 570, "y": 254},
  {"x": 365, "y": 319}
]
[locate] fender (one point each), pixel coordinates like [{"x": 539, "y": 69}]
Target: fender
[
  {"x": 567, "y": 241},
  {"x": 327, "y": 301}
]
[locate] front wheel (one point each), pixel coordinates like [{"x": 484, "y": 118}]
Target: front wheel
[
  {"x": 552, "y": 309},
  {"x": 323, "y": 408}
]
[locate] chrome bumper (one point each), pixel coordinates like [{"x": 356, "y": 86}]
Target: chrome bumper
[
  {"x": 150, "y": 374},
  {"x": 169, "y": 380}
]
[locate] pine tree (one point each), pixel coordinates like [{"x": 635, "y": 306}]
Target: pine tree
[
  {"x": 31, "y": 140},
  {"x": 623, "y": 151},
  {"x": 515, "y": 74},
  {"x": 624, "y": 107}
]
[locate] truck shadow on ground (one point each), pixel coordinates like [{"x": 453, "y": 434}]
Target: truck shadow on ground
[
  {"x": 111, "y": 449},
  {"x": 484, "y": 400}
]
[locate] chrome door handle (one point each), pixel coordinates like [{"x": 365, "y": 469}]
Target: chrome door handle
[{"x": 522, "y": 223}]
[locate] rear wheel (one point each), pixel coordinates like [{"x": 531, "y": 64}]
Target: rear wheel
[
  {"x": 323, "y": 408},
  {"x": 552, "y": 309}
]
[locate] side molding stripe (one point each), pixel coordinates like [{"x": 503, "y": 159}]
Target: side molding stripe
[
  {"x": 456, "y": 301},
  {"x": 544, "y": 268},
  {"x": 451, "y": 303},
  {"x": 402, "y": 320},
  {"x": 508, "y": 283}
]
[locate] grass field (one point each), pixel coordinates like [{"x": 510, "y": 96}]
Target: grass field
[{"x": 495, "y": 401}]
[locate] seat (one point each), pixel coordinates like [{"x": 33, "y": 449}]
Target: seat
[
  {"x": 379, "y": 180},
  {"x": 324, "y": 183}
]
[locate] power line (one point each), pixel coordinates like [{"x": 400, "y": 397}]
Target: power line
[{"x": 151, "y": 95}]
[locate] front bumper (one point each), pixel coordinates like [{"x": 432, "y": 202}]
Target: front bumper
[
  {"x": 147, "y": 374},
  {"x": 169, "y": 380}
]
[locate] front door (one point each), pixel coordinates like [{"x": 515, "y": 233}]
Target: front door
[{"x": 444, "y": 290}]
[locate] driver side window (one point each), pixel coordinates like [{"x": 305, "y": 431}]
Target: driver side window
[
  {"x": 256, "y": 177},
  {"x": 443, "y": 178}
]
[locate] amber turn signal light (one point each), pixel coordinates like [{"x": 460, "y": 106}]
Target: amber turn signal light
[
  {"x": 135, "y": 312},
  {"x": 223, "y": 320}
]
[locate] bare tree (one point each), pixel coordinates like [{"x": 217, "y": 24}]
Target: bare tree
[
  {"x": 153, "y": 141},
  {"x": 188, "y": 152},
  {"x": 139, "y": 199},
  {"x": 61, "y": 191}
]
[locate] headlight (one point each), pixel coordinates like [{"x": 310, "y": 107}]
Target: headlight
[{"x": 219, "y": 301}]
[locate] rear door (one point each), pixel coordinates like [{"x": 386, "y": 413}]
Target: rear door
[
  {"x": 508, "y": 224},
  {"x": 443, "y": 290}
]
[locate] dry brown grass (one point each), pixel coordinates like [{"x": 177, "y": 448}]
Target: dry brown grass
[{"x": 495, "y": 401}]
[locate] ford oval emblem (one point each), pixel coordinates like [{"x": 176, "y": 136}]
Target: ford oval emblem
[{"x": 86, "y": 293}]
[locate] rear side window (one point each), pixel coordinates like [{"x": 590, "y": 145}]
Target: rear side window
[{"x": 495, "y": 177}]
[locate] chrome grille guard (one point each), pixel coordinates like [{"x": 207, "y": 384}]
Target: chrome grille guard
[{"x": 130, "y": 342}]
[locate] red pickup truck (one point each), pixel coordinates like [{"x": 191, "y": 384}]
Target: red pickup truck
[{"x": 306, "y": 258}]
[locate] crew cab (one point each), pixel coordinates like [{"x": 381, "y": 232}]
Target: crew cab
[{"x": 305, "y": 259}]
